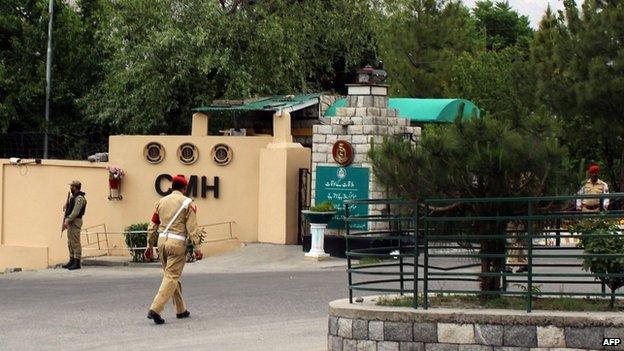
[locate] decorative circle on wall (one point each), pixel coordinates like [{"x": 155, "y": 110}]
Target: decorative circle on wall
[
  {"x": 222, "y": 154},
  {"x": 342, "y": 152},
  {"x": 188, "y": 153},
  {"x": 154, "y": 152}
]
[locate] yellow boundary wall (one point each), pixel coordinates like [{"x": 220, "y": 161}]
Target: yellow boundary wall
[
  {"x": 31, "y": 202},
  {"x": 257, "y": 192}
]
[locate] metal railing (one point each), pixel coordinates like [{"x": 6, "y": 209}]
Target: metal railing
[
  {"x": 228, "y": 223},
  {"x": 95, "y": 239},
  {"x": 498, "y": 247},
  {"x": 99, "y": 239}
]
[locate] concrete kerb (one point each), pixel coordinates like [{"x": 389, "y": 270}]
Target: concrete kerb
[
  {"x": 116, "y": 261},
  {"x": 368, "y": 310}
]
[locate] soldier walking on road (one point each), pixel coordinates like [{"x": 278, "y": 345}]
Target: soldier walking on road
[
  {"x": 174, "y": 220},
  {"x": 74, "y": 210}
]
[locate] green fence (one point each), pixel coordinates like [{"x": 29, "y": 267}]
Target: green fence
[{"x": 521, "y": 247}]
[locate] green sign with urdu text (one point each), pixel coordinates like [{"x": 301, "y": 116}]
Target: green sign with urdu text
[{"x": 336, "y": 184}]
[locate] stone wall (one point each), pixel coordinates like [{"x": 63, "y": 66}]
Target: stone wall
[
  {"x": 325, "y": 102},
  {"x": 366, "y": 327},
  {"x": 366, "y": 119}
]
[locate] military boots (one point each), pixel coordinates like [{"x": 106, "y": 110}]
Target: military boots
[
  {"x": 69, "y": 264},
  {"x": 155, "y": 317},
  {"x": 75, "y": 265},
  {"x": 184, "y": 314}
]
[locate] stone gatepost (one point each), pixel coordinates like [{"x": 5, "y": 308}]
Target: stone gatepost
[{"x": 365, "y": 119}]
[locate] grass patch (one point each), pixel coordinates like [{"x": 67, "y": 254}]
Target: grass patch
[{"x": 507, "y": 302}]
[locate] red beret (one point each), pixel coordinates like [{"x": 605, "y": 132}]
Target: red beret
[
  {"x": 593, "y": 169},
  {"x": 180, "y": 180}
]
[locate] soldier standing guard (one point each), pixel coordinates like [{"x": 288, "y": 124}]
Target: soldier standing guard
[
  {"x": 74, "y": 210},
  {"x": 593, "y": 186},
  {"x": 174, "y": 220}
]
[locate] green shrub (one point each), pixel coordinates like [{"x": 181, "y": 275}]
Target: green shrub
[
  {"x": 190, "y": 247},
  {"x": 136, "y": 241},
  {"x": 601, "y": 236},
  {"x": 324, "y": 206}
]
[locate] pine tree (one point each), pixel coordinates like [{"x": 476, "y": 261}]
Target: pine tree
[
  {"x": 420, "y": 41},
  {"x": 503, "y": 26},
  {"x": 580, "y": 60},
  {"x": 510, "y": 151}
]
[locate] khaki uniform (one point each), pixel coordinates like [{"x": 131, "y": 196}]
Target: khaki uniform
[
  {"x": 172, "y": 251},
  {"x": 589, "y": 188},
  {"x": 75, "y": 225}
]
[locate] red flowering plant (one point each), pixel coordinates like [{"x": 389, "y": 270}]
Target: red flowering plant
[{"x": 115, "y": 175}]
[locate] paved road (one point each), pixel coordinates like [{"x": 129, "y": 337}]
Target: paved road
[
  {"x": 261, "y": 297},
  {"x": 104, "y": 308}
]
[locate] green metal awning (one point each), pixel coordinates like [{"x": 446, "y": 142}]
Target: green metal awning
[
  {"x": 274, "y": 103},
  {"x": 422, "y": 110}
]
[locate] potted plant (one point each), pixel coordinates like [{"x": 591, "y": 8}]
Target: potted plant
[
  {"x": 319, "y": 216},
  {"x": 322, "y": 213}
]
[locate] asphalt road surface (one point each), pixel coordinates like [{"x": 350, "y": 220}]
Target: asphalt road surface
[
  {"x": 104, "y": 308},
  {"x": 261, "y": 297}
]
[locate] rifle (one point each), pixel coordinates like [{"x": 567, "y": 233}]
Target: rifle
[{"x": 64, "y": 208}]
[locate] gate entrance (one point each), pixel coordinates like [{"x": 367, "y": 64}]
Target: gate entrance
[{"x": 303, "y": 203}]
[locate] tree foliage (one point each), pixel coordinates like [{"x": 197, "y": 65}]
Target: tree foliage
[
  {"x": 420, "y": 41},
  {"x": 141, "y": 66},
  {"x": 579, "y": 56},
  {"x": 76, "y": 68},
  {"x": 503, "y": 26},
  {"x": 23, "y": 45},
  {"x": 602, "y": 237},
  {"x": 511, "y": 150},
  {"x": 170, "y": 56}
]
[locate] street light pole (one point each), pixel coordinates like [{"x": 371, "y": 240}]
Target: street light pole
[{"x": 48, "y": 78}]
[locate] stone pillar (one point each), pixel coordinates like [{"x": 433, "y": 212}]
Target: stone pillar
[
  {"x": 366, "y": 119},
  {"x": 199, "y": 124}
]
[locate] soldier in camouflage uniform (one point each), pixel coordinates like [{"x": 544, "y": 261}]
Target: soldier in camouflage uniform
[
  {"x": 74, "y": 211},
  {"x": 172, "y": 246}
]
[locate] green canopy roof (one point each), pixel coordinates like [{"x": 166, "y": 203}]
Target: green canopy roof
[
  {"x": 273, "y": 103},
  {"x": 422, "y": 110}
]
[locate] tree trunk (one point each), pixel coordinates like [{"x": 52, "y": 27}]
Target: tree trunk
[
  {"x": 612, "y": 302},
  {"x": 492, "y": 264},
  {"x": 620, "y": 185},
  {"x": 485, "y": 267}
]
